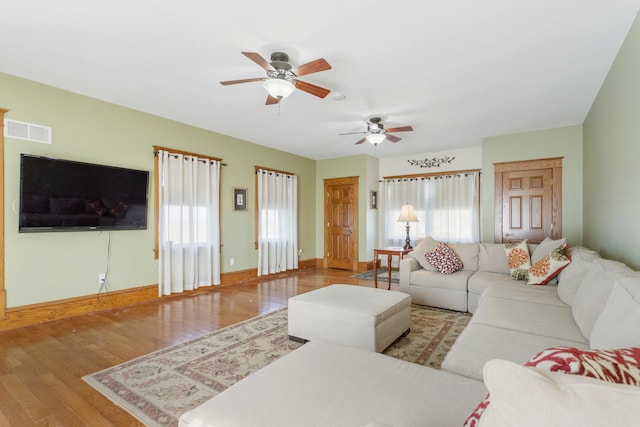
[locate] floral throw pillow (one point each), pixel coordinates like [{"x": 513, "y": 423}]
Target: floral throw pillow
[
  {"x": 620, "y": 366},
  {"x": 549, "y": 266},
  {"x": 519, "y": 261},
  {"x": 443, "y": 259}
]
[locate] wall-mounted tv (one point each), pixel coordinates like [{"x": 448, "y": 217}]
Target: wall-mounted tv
[{"x": 65, "y": 195}]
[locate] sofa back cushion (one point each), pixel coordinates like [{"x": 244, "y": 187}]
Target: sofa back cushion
[
  {"x": 427, "y": 244},
  {"x": 617, "y": 326},
  {"x": 468, "y": 254},
  {"x": 593, "y": 293},
  {"x": 493, "y": 259},
  {"x": 571, "y": 276}
]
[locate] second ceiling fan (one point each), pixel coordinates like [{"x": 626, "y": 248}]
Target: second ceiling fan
[
  {"x": 282, "y": 78},
  {"x": 376, "y": 132}
]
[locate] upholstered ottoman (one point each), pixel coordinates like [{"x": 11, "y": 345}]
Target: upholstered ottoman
[{"x": 357, "y": 316}]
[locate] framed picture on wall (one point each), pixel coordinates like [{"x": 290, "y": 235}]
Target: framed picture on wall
[
  {"x": 239, "y": 199},
  {"x": 373, "y": 199}
]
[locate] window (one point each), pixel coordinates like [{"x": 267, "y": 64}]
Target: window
[
  {"x": 447, "y": 207},
  {"x": 277, "y": 221},
  {"x": 187, "y": 196}
]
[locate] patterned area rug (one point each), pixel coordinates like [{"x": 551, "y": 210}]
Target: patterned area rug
[
  {"x": 157, "y": 388},
  {"x": 383, "y": 276}
]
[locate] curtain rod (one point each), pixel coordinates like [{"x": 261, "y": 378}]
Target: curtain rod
[
  {"x": 157, "y": 148},
  {"x": 431, "y": 175}
]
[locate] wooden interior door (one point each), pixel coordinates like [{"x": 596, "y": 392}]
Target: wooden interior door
[
  {"x": 341, "y": 223},
  {"x": 528, "y": 200}
]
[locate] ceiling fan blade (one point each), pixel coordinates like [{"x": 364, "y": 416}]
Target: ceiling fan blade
[
  {"x": 400, "y": 129},
  {"x": 235, "y": 82},
  {"x": 255, "y": 57},
  {"x": 312, "y": 89},
  {"x": 393, "y": 138},
  {"x": 271, "y": 100},
  {"x": 311, "y": 67},
  {"x": 351, "y": 133},
  {"x": 361, "y": 141}
]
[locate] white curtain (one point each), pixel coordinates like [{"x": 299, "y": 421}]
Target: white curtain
[
  {"x": 447, "y": 208},
  {"x": 277, "y": 222},
  {"x": 189, "y": 222}
]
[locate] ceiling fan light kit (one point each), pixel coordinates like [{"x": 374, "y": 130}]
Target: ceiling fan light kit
[
  {"x": 375, "y": 138},
  {"x": 279, "y": 88}
]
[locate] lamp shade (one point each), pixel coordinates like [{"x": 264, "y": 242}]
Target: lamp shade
[
  {"x": 375, "y": 138},
  {"x": 279, "y": 88},
  {"x": 407, "y": 214}
]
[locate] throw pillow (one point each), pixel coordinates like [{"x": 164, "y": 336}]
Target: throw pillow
[
  {"x": 617, "y": 326},
  {"x": 545, "y": 247},
  {"x": 518, "y": 257},
  {"x": 444, "y": 259},
  {"x": 620, "y": 366},
  {"x": 427, "y": 244},
  {"x": 549, "y": 266},
  {"x": 528, "y": 397}
]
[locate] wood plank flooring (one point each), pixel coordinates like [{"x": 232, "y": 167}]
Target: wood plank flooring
[{"x": 41, "y": 366}]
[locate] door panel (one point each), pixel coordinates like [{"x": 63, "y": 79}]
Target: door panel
[
  {"x": 341, "y": 231},
  {"x": 528, "y": 210},
  {"x": 528, "y": 197}
]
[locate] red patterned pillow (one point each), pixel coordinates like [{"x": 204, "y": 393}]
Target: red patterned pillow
[
  {"x": 620, "y": 366},
  {"x": 444, "y": 259}
]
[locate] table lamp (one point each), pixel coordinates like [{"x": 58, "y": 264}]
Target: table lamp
[{"x": 407, "y": 214}]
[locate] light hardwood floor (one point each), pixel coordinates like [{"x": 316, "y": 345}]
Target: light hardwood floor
[{"x": 41, "y": 366}]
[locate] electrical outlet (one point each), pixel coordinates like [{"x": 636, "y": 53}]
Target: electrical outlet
[
  {"x": 232, "y": 261},
  {"x": 102, "y": 277}
]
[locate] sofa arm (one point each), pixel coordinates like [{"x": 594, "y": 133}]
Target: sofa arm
[{"x": 407, "y": 265}]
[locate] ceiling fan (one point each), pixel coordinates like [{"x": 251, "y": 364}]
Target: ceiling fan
[
  {"x": 282, "y": 78},
  {"x": 376, "y": 133}
]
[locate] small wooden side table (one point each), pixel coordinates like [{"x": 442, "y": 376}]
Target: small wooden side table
[{"x": 390, "y": 252}]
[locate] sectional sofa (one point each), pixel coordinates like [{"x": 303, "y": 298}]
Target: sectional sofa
[{"x": 594, "y": 306}]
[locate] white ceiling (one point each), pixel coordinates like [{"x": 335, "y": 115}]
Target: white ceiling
[{"x": 456, "y": 70}]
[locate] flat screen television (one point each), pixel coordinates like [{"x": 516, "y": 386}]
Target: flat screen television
[{"x": 65, "y": 195}]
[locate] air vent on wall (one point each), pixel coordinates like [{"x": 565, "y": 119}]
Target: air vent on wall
[{"x": 27, "y": 131}]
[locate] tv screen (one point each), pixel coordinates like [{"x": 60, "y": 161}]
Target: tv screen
[{"x": 64, "y": 195}]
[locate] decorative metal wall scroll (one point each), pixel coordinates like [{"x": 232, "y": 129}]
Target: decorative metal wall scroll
[{"x": 431, "y": 163}]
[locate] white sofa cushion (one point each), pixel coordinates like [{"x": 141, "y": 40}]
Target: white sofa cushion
[
  {"x": 523, "y": 396},
  {"x": 570, "y": 278},
  {"x": 492, "y": 258},
  {"x": 552, "y": 321},
  {"x": 325, "y": 384},
  {"x": 427, "y": 244},
  {"x": 594, "y": 291},
  {"x": 432, "y": 279},
  {"x": 539, "y": 294},
  {"x": 477, "y": 344},
  {"x": 619, "y": 324},
  {"x": 468, "y": 254}
]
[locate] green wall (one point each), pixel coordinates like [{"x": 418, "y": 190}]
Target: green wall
[
  {"x": 52, "y": 266},
  {"x": 563, "y": 142},
  {"x": 611, "y": 159}
]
